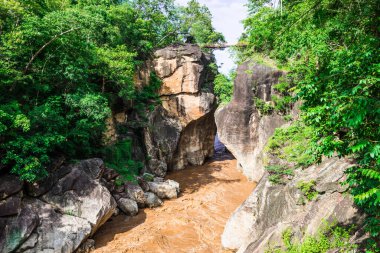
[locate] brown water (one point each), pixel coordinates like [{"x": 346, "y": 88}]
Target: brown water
[{"x": 193, "y": 222}]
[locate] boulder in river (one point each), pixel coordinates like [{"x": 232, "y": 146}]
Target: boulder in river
[
  {"x": 128, "y": 206},
  {"x": 152, "y": 200},
  {"x": 80, "y": 193},
  {"x": 168, "y": 189}
]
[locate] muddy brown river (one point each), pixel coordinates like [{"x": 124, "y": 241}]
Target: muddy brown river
[{"x": 192, "y": 223}]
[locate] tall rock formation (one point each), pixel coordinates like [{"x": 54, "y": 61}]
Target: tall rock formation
[
  {"x": 181, "y": 131},
  {"x": 241, "y": 128}
]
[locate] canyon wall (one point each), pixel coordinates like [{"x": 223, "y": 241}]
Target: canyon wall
[
  {"x": 240, "y": 126},
  {"x": 271, "y": 209},
  {"x": 181, "y": 131}
]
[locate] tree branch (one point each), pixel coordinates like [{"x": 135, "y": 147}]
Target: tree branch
[{"x": 45, "y": 45}]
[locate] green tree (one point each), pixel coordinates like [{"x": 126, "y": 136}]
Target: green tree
[
  {"x": 63, "y": 65},
  {"x": 196, "y": 22},
  {"x": 224, "y": 86},
  {"x": 331, "y": 49}
]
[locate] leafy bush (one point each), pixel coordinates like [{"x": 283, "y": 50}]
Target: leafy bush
[
  {"x": 328, "y": 237},
  {"x": 278, "y": 173},
  {"x": 119, "y": 158},
  {"x": 224, "y": 87},
  {"x": 331, "y": 48},
  {"x": 308, "y": 189},
  {"x": 265, "y": 108},
  {"x": 292, "y": 144}
]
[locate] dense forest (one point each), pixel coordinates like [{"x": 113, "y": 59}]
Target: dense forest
[
  {"x": 330, "y": 49},
  {"x": 65, "y": 64}
]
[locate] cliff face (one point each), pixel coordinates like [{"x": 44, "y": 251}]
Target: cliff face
[
  {"x": 240, "y": 126},
  {"x": 182, "y": 129},
  {"x": 271, "y": 209}
]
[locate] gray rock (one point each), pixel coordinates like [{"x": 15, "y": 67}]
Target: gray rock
[
  {"x": 143, "y": 184},
  {"x": 11, "y": 205},
  {"x": 94, "y": 167},
  {"x": 87, "y": 246},
  {"x": 56, "y": 232},
  {"x": 182, "y": 129},
  {"x": 15, "y": 230},
  {"x": 271, "y": 209},
  {"x": 136, "y": 193},
  {"x": 29, "y": 244},
  {"x": 152, "y": 200},
  {"x": 240, "y": 126},
  {"x": 9, "y": 185},
  {"x": 81, "y": 194},
  {"x": 128, "y": 206},
  {"x": 165, "y": 190}
]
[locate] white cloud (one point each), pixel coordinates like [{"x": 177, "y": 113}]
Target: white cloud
[{"x": 227, "y": 17}]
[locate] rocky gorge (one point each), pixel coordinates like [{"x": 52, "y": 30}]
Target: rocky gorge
[{"x": 63, "y": 212}]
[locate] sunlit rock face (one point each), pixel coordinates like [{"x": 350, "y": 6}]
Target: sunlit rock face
[
  {"x": 271, "y": 209},
  {"x": 181, "y": 131},
  {"x": 241, "y": 128}
]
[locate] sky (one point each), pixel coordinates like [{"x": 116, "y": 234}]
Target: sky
[{"x": 227, "y": 16}]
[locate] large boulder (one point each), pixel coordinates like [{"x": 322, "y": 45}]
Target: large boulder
[
  {"x": 81, "y": 194},
  {"x": 152, "y": 200},
  {"x": 181, "y": 131},
  {"x": 9, "y": 185},
  {"x": 17, "y": 229},
  {"x": 72, "y": 206},
  {"x": 240, "y": 126},
  {"x": 168, "y": 189},
  {"x": 271, "y": 209},
  {"x": 128, "y": 206},
  {"x": 57, "y": 231}
]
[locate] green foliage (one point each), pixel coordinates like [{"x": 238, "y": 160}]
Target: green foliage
[
  {"x": 328, "y": 237},
  {"x": 292, "y": 144},
  {"x": 280, "y": 103},
  {"x": 331, "y": 49},
  {"x": 145, "y": 100},
  {"x": 224, "y": 87},
  {"x": 119, "y": 158},
  {"x": 197, "y": 23},
  {"x": 278, "y": 174},
  {"x": 64, "y": 64},
  {"x": 308, "y": 189},
  {"x": 265, "y": 108}
]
